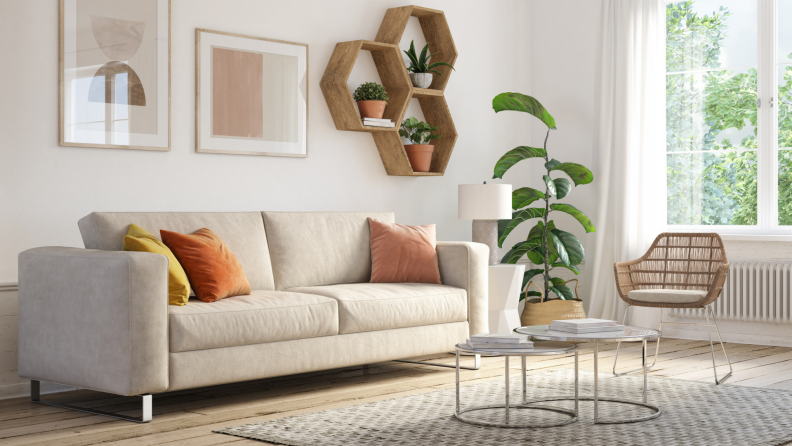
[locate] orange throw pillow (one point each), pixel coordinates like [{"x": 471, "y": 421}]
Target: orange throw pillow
[
  {"x": 401, "y": 253},
  {"x": 212, "y": 268}
]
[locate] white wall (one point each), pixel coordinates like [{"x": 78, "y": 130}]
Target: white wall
[
  {"x": 45, "y": 189},
  {"x": 563, "y": 38}
]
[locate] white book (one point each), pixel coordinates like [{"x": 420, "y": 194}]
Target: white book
[
  {"x": 608, "y": 329},
  {"x": 376, "y": 120},
  {"x": 379, "y": 124},
  {"x": 500, "y": 345},
  {"x": 587, "y": 322},
  {"x": 501, "y": 338}
]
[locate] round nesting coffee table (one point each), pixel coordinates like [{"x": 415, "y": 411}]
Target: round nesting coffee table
[
  {"x": 540, "y": 349},
  {"x": 630, "y": 334}
]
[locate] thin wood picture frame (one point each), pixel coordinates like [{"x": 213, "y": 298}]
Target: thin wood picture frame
[
  {"x": 114, "y": 28},
  {"x": 217, "y": 127}
]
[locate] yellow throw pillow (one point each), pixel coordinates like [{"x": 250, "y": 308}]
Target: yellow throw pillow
[{"x": 137, "y": 239}]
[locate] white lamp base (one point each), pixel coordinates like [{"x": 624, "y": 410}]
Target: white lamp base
[
  {"x": 486, "y": 231},
  {"x": 505, "y": 282}
]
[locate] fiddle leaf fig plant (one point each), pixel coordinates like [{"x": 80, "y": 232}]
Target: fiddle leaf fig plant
[
  {"x": 418, "y": 132},
  {"x": 420, "y": 64},
  {"x": 546, "y": 245}
]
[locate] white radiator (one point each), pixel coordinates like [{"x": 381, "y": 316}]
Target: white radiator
[{"x": 753, "y": 292}]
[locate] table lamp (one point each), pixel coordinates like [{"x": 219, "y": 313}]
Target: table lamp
[{"x": 485, "y": 204}]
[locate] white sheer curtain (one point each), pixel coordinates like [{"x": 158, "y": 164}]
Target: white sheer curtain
[{"x": 629, "y": 159}]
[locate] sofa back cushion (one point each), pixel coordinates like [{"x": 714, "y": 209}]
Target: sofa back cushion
[
  {"x": 242, "y": 232},
  {"x": 320, "y": 248}
]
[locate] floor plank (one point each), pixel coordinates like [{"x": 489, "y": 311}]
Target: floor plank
[{"x": 188, "y": 417}]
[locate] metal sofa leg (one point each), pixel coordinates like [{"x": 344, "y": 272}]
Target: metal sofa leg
[
  {"x": 709, "y": 312},
  {"x": 476, "y": 363},
  {"x": 657, "y": 348},
  {"x": 35, "y": 396}
]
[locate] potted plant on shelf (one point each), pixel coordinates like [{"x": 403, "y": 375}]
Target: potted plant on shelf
[
  {"x": 371, "y": 99},
  {"x": 420, "y": 151},
  {"x": 420, "y": 68},
  {"x": 546, "y": 246}
]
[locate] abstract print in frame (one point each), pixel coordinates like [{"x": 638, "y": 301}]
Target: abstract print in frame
[
  {"x": 114, "y": 63},
  {"x": 251, "y": 95}
]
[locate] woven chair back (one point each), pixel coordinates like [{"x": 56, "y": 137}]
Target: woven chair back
[{"x": 680, "y": 261}]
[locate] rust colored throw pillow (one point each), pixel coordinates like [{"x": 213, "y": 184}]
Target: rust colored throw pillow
[
  {"x": 212, "y": 268},
  {"x": 401, "y": 253}
]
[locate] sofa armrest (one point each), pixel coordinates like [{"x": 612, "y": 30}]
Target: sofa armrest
[
  {"x": 466, "y": 265},
  {"x": 94, "y": 319}
]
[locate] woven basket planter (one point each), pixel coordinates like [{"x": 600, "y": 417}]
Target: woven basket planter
[{"x": 537, "y": 312}]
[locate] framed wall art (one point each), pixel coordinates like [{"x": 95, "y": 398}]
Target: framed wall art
[
  {"x": 114, "y": 62},
  {"x": 251, "y": 95}
]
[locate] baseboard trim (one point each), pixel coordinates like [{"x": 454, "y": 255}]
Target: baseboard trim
[
  {"x": 741, "y": 337},
  {"x": 11, "y": 286}
]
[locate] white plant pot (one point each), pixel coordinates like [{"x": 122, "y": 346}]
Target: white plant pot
[{"x": 421, "y": 80}]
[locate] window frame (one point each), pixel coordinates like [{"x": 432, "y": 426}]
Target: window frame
[{"x": 767, "y": 137}]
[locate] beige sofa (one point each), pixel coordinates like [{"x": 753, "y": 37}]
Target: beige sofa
[{"x": 98, "y": 318}]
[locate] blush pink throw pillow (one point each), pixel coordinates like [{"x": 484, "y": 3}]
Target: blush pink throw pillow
[{"x": 401, "y": 253}]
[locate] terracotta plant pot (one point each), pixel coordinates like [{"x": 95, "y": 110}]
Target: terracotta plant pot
[
  {"x": 371, "y": 109},
  {"x": 420, "y": 156},
  {"x": 543, "y": 313}
]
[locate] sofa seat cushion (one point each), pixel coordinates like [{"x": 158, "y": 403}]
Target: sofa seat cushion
[
  {"x": 667, "y": 296},
  {"x": 262, "y": 316},
  {"x": 366, "y": 307}
]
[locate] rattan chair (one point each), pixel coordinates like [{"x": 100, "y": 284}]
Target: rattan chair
[{"x": 680, "y": 270}]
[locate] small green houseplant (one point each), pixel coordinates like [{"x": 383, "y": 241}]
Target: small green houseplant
[
  {"x": 371, "y": 99},
  {"x": 546, "y": 245},
  {"x": 421, "y": 135},
  {"x": 420, "y": 67}
]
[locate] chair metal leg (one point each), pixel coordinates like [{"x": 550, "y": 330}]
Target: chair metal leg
[
  {"x": 476, "y": 363},
  {"x": 708, "y": 311},
  {"x": 35, "y": 396},
  {"x": 618, "y": 346}
]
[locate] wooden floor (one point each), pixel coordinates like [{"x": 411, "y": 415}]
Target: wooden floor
[{"x": 188, "y": 417}]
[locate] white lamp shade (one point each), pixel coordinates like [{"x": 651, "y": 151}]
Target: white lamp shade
[{"x": 485, "y": 201}]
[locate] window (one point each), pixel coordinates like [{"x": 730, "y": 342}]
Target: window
[{"x": 729, "y": 116}]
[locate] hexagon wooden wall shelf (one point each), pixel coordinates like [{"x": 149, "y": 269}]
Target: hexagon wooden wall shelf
[{"x": 393, "y": 74}]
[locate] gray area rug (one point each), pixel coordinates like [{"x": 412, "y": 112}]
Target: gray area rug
[{"x": 694, "y": 414}]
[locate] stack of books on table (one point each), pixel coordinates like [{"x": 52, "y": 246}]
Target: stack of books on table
[
  {"x": 588, "y": 325},
  {"x": 373, "y": 122},
  {"x": 494, "y": 341}
]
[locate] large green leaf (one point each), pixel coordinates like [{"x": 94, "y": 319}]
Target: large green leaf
[
  {"x": 519, "y": 250},
  {"x": 524, "y": 196},
  {"x": 530, "y": 274},
  {"x": 522, "y": 103},
  {"x": 535, "y": 256},
  {"x": 525, "y": 294},
  {"x": 572, "y": 268},
  {"x": 574, "y": 248},
  {"x": 557, "y": 281},
  {"x": 505, "y": 227},
  {"x": 538, "y": 229},
  {"x": 573, "y": 211},
  {"x": 579, "y": 173},
  {"x": 559, "y": 248},
  {"x": 563, "y": 292},
  {"x": 550, "y": 185},
  {"x": 551, "y": 164},
  {"x": 563, "y": 186},
  {"x": 514, "y": 156}
]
